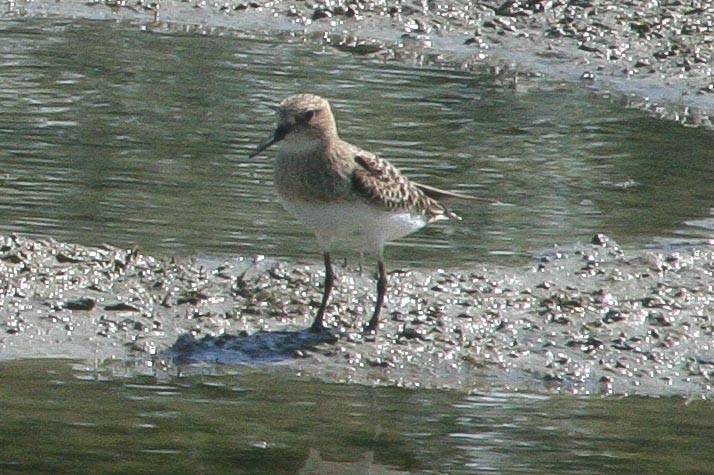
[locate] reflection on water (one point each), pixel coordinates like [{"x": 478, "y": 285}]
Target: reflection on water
[
  {"x": 59, "y": 418},
  {"x": 110, "y": 134}
]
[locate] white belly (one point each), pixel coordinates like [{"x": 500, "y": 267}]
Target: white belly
[{"x": 363, "y": 227}]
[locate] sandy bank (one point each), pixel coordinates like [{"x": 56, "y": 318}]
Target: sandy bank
[{"x": 591, "y": 319}]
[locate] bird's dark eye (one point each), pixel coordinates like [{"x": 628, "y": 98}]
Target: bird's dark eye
[{"x": 309, "y": 115}]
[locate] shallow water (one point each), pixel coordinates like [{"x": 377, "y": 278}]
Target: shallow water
[
  {"x": 115, "y": 135},
  {"x": 110, "y": 134},
  {"x": 60, "y": 417}
]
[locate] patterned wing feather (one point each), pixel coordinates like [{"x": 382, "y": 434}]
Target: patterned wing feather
[{"x": 383, "y": 184}]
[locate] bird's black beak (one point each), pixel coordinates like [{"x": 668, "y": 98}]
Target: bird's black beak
[{"x": 278, "y": 135}]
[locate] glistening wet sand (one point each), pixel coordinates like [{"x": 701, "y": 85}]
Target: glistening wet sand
[
  {"x": 656, "y": 54},
  {"x": 591, "y": 319}
]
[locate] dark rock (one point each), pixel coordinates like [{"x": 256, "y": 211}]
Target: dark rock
[{"x": 84, "y": 303}]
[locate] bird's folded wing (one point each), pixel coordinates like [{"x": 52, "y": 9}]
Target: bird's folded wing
[
  {"x": 439, "y": 194},
  {"x": 383, "y": 185}
]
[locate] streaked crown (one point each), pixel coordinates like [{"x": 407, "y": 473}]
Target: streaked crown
[{"x": 306, "y": 113}]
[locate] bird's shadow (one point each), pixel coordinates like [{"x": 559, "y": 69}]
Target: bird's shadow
[{"x": 259, "y": 347}]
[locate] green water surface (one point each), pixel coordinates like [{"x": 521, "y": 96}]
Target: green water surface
[
  {"x": 111, "y": 134},
  {"x": 60, "y": 417}
]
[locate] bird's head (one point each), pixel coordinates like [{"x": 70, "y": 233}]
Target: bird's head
[{"x": 306, "y": 116}]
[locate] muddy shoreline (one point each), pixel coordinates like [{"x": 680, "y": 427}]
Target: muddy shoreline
[
  {"x": 588, "y": 319},
  {"x": 657, "y": 56},
  {"x": 591, "y": 319}
]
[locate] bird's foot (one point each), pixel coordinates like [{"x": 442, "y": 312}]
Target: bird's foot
[
  {"x": 323, "y": 333},
  {"x": 318, "y": 327},
  {"x": 370, "y": 328}
]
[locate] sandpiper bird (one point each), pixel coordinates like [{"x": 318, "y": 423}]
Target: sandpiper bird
[{"x": 343, "y": 193}]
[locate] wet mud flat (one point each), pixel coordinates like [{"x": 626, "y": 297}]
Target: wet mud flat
[
  {"x": 657, "y": 55},
  {"x": 585, "y": 319},
  {"x": 591, "y": 319}
]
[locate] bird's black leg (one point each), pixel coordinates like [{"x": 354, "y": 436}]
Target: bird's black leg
[
  {"x": 381, "y": 291},
  {"x": 317, "y": 324}
]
